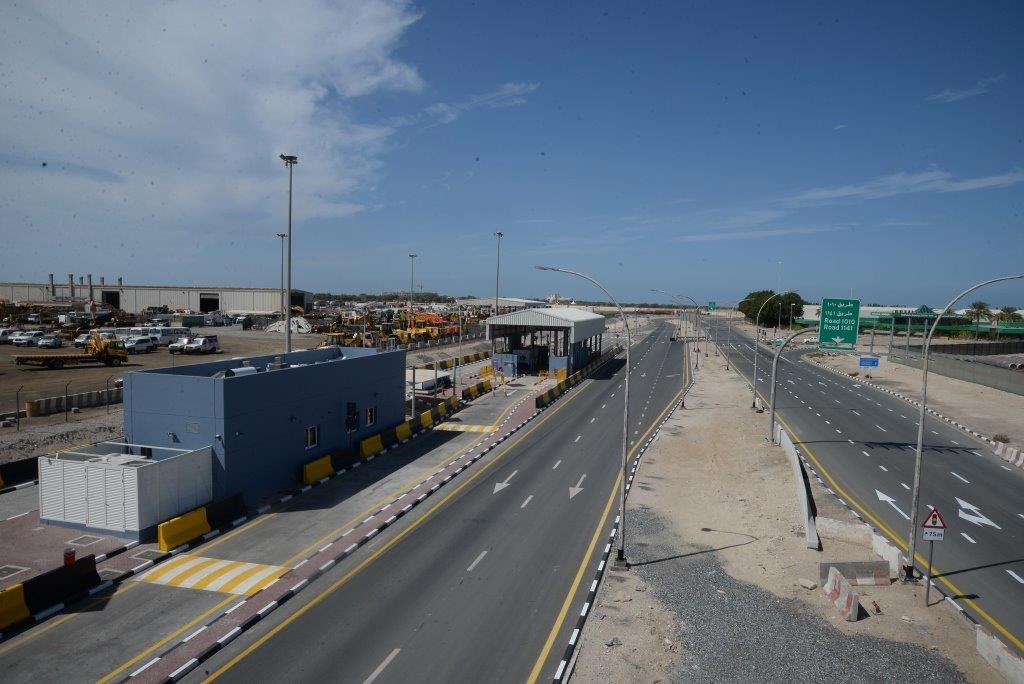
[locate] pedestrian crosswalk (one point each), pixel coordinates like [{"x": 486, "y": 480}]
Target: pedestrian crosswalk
[
  {"x": 464, "y": 427},
  {"x": 213, "y": 574}
]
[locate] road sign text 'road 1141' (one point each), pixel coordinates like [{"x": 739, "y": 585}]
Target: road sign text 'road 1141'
[{"x": 838, "y": 325}]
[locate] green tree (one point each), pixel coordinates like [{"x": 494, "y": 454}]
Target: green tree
[
  {"x": 1007, "y": 314},
  {"x": 778, "y": 308},
  {"x": 978, "y": 311}
]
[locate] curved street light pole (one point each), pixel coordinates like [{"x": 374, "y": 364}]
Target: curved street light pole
[
  {"x": 775, "y": 368},
  {"x": 757, "y": 349},
  {"x": 621, "y": 554},
  {"x": 678, "y": 299},
  {"x": 908, "y": 567},
  {"x": 728, "y": 330}
]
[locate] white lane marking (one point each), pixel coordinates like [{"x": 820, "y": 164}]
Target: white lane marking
[
  {"x": 959, "y": 477},
  {"x": 850, "y": 441},
  {"x": 478, "y": 559},
  {"x": 884, "y": 468},
  {"x": 880, "y": 427},
  {"x": 592, "y": 420},
  {"x": 380, "y": 668},
  {"x": 955, "y": 442},
  {"x": 865, "y": 453},
  {"x": 527, "y": 501},
  {"x": 577, "y": 439},
  {"x": 1004, "y": 467},
  {"x": 557, "y": 463},
  {"x": 827, "y": 422},
  {"x": 967, "y": 537},
  {"x": 603, "y": 405},
  {"x": 976, "y": 453},
  {"x": 854, "y": 412},
  {"x": 905, "y": 486},
  {"x": 1016, "y": 576},
  {"x": 934, "y": 432}
]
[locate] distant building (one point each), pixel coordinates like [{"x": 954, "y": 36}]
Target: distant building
[{"x": 136, "y": 298}]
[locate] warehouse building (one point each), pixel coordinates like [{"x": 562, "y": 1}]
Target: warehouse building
[
  {"x": 240, "y": 426},
  {"x": 555, "y": 339},
  {"x": 135, "y": 298}
]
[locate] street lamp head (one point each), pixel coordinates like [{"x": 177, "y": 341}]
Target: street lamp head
[
  {"x": 281, "y": 235},
  {"x": 547, "y": 268},
  {"x": 413, "y": 256},
  {"x": 289, "y": 159},
  {"x": 500, "y": 234}
]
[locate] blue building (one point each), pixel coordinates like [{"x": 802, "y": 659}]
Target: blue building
[{"x": 266, "y": 416}]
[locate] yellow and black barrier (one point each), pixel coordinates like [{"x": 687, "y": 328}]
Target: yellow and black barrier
[
  {"x": 445, "y": 364},
  {"x": 385, "y": 439},
  {"x": 182, "y": 529},
  {"x": 477, "y": 390},
  {"x": 314, "y": 471},
  {"x": 13, "y": 608},
  {"x": 561, "y": 388}
]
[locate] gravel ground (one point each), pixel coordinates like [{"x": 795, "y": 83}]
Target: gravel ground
[
  {"x": 736, "y": 631},
  {"x": 40, "y": 436}
]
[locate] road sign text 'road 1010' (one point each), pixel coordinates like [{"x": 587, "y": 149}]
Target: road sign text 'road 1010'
[{"x": 838, "y": 324}]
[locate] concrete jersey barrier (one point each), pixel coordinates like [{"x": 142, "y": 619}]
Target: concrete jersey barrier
[
  {"x": 800, "y": 480},
  {"x": 50, "y": 405},
  {"x": 871, "y": 573},
  {"x": 182, "y": 529},
  {"x": 842, "y": 595}
]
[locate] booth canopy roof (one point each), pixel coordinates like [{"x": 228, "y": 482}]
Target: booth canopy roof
[{"x": 581, "y": 324}]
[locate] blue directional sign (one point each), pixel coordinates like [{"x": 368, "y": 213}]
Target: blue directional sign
[{"x": 869, "y": 362}]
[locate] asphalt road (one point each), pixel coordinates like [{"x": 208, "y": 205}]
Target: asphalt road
[
  {"x": 481, "y": 590},
  {"x": 864, "y": 443}
]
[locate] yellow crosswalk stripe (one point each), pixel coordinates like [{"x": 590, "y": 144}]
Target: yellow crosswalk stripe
[
  {"x": 464, "y": 427},
  {"x": 214, "y": 574}
]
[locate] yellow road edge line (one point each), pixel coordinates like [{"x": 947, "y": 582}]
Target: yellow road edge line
[
  {"x": 553, "y": 634},
  {"x": 567, "y": 603},
  {"x": 390, "y": 543},
  {"x": 893, "y": 536}
]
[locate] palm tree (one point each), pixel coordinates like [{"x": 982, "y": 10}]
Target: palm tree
[
  {"x": 1008, "y": 314},
  {"x": 978, "y": 311}
]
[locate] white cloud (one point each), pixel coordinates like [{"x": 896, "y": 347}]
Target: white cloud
[
  {"x": 753, "y": 234},
  {"x": 163, "y": 121},
  {"x": 902, "y": 183},
  {"x": 839, "y": 127},
  {"x": 980, "y": 88},
  {"x": 507, "y": 95}
]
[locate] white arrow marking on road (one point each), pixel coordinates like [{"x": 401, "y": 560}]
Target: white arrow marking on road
[
  {"x": 498, "y": 486},
  {"x": 573, "y": 491},
  {"x": 892, "y": 502},
  {"x": 975, "y": 515}
]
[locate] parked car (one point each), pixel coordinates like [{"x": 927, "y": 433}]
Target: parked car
[
  {"x": 179, "y": 345},
  {"x": 139, "y": 345},
  {"x": 81, "y": 340},
  {"x": 50, "y": 341},
  {"x": 6, "y": 333},
  {"x": 202, "y": 345},
  {"x": 27, "y": 339}
]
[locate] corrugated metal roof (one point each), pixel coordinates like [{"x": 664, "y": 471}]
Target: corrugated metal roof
[{"x": 582, "y": 324}]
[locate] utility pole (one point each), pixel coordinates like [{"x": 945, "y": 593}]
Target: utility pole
[
  {"x": 497, "y": 272},
  {"x": 290, "y": 160},
  {"x": 282, "y": 236},
  {"x": 412, "y": 276}
]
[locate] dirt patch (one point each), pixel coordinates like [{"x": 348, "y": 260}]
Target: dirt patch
[{"x": 718, "y": 548}]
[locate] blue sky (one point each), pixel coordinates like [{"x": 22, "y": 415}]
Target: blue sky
[{"x": 686, "y": 147}]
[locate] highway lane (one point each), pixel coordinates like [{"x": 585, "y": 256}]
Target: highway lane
[
  {"x": 864, "y": 440},
  {"x": 473, "y": 593}
]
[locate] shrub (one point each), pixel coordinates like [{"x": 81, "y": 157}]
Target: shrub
[{"x": 1000, "y": 438}]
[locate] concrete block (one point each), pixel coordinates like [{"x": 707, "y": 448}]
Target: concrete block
[
  {"x": 842, "y": 595},
  {"x": 998, "y": 655},
  {"x": 881, "y": 546},
  {"x": 857, "y": 573},
  {"x": 808, "y": 584}
]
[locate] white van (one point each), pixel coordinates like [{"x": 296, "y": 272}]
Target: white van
[{"x": 202, "y": 345}]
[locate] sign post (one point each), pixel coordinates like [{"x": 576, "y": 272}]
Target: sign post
[
  {"x": 934, "y": 529},
  {"x": 840, "y": 321},
  {"x": 712, "y": 305}
]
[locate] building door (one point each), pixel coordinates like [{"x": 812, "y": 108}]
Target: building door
[
  {"x": 209, "y": 302},
  {"x": 111, "y": 298}
]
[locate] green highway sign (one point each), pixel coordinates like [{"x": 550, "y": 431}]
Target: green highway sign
[
  {"x": 712, "y": 306},
  {"x": 838, "y": 323}
]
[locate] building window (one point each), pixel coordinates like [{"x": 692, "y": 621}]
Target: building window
[
  {"x": 371, "y": 416},
  {"x": 312, "y": 436},
  {"x": 351, "y": 417}
]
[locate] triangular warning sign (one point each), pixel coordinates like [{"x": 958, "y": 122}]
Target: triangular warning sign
[{"x": 934, "y": 521}]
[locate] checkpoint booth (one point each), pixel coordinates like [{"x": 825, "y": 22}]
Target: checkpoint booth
[{"x": 553, "y": 341}]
